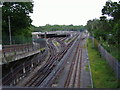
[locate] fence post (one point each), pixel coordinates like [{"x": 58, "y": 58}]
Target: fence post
[
  {"x": 15, "y": 51},
  {"x": 93, "y": 41},
  {"x": 4, "y": 54},
  {"x": 33, "y": 47},
  {"x": 27, "y": 49}
]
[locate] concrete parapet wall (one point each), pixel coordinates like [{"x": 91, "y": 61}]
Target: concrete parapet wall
[{"x": 17, "y": 52}]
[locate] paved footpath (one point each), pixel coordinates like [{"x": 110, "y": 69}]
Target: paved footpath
[{"x": 86, "y": 78}]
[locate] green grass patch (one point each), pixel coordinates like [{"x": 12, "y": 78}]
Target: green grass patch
[
  {"x": 56, "y": 43},
  {"x": 89, "y": 86},
  {"x": 42, "y": 49},
  {"x": 69, "y": 40},
  {"x": 87, "y": 68},
  {"x": 102, "y": 74}
]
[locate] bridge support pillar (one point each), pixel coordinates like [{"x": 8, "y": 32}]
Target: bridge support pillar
[
  {"x": 31, "y": 64},
  {"x": 14, "y": 80},
  {"x": 17, "y": 79},
  {"x": 24, "y": 71}
]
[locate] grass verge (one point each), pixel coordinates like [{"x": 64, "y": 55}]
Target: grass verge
[
  {"x": 42, "y": 49},
  {"x": 69, "y": 40},
  {"x": 102, "y": 74},
  {"x": 56, "y": 43}
]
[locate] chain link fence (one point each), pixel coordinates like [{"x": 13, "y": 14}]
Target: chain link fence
[{"x": 16, "y": 40}]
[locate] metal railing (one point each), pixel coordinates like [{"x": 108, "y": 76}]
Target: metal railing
[{"x": 11, "y": 51}]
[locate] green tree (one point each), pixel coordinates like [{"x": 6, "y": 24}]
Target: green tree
[
  {"x": 100, "y": 28},
  {"x": 19, "y": 19},
  {"x": 113, "y": 9},
  {"x": 108, "y": 30}
]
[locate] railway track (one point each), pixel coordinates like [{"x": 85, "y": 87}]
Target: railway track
[
  {"x": 50, "y": 79},
  {"x": 44, "y": 71},
  {"x": 50, "y": 64},
  {"x": 73, "y": 78}
]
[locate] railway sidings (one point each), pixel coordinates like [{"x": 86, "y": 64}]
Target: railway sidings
[{"x": 61, "y": 62}]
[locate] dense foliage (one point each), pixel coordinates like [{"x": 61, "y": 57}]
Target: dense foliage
[
  {"x": 48, "y": 27},
  {"x": 106, "y": 30},
  {"x": 19, "y": 20}
]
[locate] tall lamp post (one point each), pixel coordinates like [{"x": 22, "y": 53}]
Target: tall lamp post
[
  {"x": 9, "y": 30},
  {"x": 93, "y": 38},
  {"x": 1, "y": 4}
]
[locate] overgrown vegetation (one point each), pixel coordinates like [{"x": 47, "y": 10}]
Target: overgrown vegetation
[
  {"x": 102, "y": 74},
  {"x": 106, "y": 30},
  {"x": 110, "y": 48},
  {"x": 114, "y": 51}
]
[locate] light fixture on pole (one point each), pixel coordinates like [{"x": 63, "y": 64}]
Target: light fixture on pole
[{"x": 1, "y": 4}]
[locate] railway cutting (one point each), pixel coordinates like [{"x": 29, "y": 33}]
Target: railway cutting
[{"x": 60, "y": 63}]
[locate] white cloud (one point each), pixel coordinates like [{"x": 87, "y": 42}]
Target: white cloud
[{"x": 76, "y": 12}]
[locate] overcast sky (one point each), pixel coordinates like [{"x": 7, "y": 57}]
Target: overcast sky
[{"x": 66, "y": 12}]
